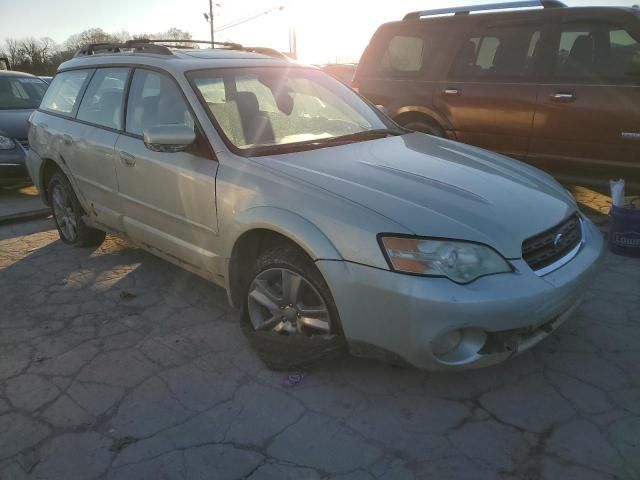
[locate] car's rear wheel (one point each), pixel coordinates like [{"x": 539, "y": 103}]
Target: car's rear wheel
[
  {"x": 67, "y": 213},
  {"x": 288, "y": 295}
]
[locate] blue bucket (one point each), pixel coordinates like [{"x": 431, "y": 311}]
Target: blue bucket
[{"x": 624, "y": 235}]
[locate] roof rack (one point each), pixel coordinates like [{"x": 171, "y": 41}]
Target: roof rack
[
  {"x": 138, "y": 46},
  {"x": 146, "y": 45},
  {"x": 479, "y": 8}
]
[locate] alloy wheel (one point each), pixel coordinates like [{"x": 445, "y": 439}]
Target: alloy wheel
[
  {"x": 64, "y": 214},
  {"x": 283, "y": 301}
]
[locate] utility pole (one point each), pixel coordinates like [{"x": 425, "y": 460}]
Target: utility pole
[
  {"x": 211, "y": 19},
  {"x": 293, "y": 41}
]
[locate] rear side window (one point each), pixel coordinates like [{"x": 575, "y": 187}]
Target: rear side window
[
  {"x": 62, "y": 94},
  {"x": 598, "y": 50},
  {"x": 155, "y": 99},
  {"x": 403, "y": 54},
  {"x": 102, "y": 102},
  {"x": 399, "y": 52},
  {"x": 498, "y": 52}
]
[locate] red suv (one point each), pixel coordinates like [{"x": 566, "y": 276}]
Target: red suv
[{"x": 556, "y": 87}]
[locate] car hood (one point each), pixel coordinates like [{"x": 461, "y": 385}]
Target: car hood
[
  {"x": 436, "y": 187},
  {"x": 14, "y": 123}
]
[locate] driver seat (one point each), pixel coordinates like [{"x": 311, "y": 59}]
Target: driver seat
[{"x": 256, "y": 124}]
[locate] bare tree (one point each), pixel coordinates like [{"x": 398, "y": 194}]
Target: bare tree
[
  {"x": 93, "y": 35},
  {"x": 48, "y": 47},
  {"x": 31, "y": 51},
  {"x": 42, "y": 56},
  {"x": 12, "y": 51},
  {"x": 37, "y": 52},
  {"x": 172, "y": 34}
]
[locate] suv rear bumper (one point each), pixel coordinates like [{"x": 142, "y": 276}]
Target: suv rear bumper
[{"x": 399, "y": 316}]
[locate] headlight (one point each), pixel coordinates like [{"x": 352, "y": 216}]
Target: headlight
[
  {"x": 457, "y": 260},
  {"x": 6, "y": 143}
]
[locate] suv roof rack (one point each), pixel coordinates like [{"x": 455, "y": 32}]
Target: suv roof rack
[
  {"x": 147, "y": 45},
  {"x": 479, "y": 8}
]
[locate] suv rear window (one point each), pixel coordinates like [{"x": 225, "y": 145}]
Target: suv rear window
[
  {"x": 403, "y": 54},
  {"x": 498, "y": 52},
  {"x": 63, "y": 92}
]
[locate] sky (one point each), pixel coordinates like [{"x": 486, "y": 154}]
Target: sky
[{"x": 327, "y": 31}]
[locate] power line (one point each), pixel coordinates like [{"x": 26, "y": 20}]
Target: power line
[{"x": 235, "y": 23}]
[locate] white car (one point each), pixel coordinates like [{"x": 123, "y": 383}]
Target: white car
[{"x": 314, "y": 210}]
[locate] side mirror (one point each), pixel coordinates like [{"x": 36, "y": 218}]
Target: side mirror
[{"x": 168, "y": 138}]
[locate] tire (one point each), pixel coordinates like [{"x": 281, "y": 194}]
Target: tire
[
  {"x": 293, "y": 347},
  {"x": 67, "y": 213},
  {"x": 425, "y": 126}
]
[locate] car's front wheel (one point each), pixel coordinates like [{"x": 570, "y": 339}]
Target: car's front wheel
[
  {"x": 288, "y": 295},
  {"x": 67, "y": 213}
]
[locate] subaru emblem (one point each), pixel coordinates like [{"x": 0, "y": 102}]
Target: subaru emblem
[{"x": 557, "y": 240}]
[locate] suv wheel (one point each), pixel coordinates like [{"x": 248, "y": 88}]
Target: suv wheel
[
  {"x": 288, "y": 295},
  {"x": 424, "y": 126},
  {"x": 67, "y": 214}
]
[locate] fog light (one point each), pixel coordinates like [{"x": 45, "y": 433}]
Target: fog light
[
  {"x": 447, "y": 342},
  {"x": 459, "y": 347}
]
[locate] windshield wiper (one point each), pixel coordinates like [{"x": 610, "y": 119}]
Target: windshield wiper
[
  {"x": 260, "y": 150},
  {"x": 364, "y": 135}
]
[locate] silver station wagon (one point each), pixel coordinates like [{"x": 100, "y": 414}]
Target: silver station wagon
[{"x": 316, "y": 212}]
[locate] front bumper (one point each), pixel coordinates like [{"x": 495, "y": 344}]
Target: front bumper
[
  {"x": 12, "y": 166},
  {"x": 397, "y": 316}
]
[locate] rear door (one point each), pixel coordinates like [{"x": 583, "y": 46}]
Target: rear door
[
  {"x": 51, "y": 135},
  {"x": 100, "y": 117},
  {"x": 489, "y": 96},
  {"x": 168, "y": 198},
  {"x": 587, "y": 122}
]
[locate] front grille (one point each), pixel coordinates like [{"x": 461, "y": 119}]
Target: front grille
[
  {"x": 24, "y": 142},
  {"x": 551, "y": 245}
]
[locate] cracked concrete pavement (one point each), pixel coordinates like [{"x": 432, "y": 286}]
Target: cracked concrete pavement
[{"x": 117, "y": 365}]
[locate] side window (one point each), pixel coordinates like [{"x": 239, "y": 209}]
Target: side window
[
  {"x": 403, "y": 54},
  {"x": 597, "y": 50},
  {"x": 102, "y": 102},
  {"x": 499, "y": 52},
  {"x": 155, "y": 99},
  {"x": 624, "y": 54},
  {"x": 63, "y": 92}
]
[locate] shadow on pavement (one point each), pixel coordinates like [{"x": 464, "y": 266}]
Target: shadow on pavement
[{"x": 20, "y": 203}]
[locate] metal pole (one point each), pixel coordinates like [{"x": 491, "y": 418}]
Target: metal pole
[{"x": 211, "y": 18}]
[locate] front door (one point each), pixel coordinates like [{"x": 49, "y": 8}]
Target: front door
[
  {"x": 168, "y": 198},
  {"x": 490, "y": 95},
  {"x": 587, "y": 122}
]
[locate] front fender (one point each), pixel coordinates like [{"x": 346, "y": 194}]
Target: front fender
[
  {"x": 284, "y": 222},
  {"x": 287, "y": 223}
]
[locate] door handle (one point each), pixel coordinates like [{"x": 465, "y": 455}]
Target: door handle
[
  {"x": 451, "y": 91},
  {"x": 67, "y": 139},
  {"x": 564, "y": 97},
  {"x": 127, "y": 159}
]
